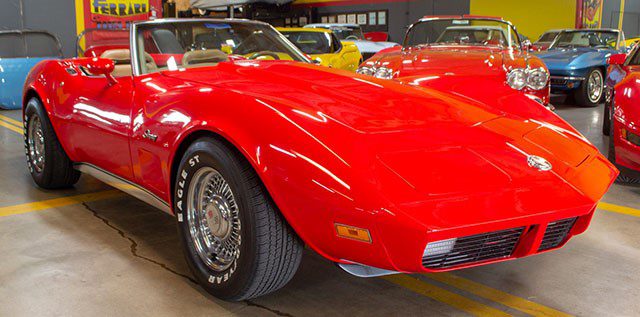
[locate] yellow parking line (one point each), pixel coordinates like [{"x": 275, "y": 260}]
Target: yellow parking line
[
  {"x": 58, "y": 202},
  {"x": 452, "y": 299},
  {"x": 619, "y": 209},
  {"x": 10, "y": 126},
  {"x": 515, "y": 302},
  {"x": 12, "y": 121}
]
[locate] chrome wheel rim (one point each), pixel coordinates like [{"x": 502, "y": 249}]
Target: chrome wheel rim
[
  {"x": 595, "y": 86},
  {"x": 35, "y": 139},
  {"x": 212, "y": 216}
]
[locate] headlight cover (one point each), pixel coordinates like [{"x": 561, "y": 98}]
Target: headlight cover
[
  {"x": 517, "y": 78},
  {"x": 378, "y": 72},
  {"x": 536, "y": 79}
]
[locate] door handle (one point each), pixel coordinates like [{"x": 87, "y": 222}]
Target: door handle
[{"x": 149, "y": 136}]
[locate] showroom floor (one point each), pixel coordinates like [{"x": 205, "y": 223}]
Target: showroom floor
[{"x": 95, "y": 251}]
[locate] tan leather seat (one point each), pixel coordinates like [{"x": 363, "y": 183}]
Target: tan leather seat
[
  {"x": 204, "y": 58},
  {"x": 122, "y": 59}
]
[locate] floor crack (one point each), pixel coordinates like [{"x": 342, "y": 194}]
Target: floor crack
[
  {"x": 274, "y": 311},
  {"x": 134, "y": 246}
]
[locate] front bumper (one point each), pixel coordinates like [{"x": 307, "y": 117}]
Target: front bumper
[{"x": 565, "y": 83}]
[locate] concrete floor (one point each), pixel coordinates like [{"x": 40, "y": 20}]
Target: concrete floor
[{"x": 121, "y": 257}]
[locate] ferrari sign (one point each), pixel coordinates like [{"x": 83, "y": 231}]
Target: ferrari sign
[{"x": 119, "y": 8}]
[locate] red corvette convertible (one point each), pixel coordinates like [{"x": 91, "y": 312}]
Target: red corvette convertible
[
  {"x": 474, "y": 47},
  {"x": 256, "y": 151},
  {"x": 622, "y": 114}
]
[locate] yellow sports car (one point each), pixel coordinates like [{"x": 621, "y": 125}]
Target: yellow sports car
[{"x": 323, "y": 46}]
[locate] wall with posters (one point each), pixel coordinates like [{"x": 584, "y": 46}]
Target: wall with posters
[{"x": 392, "y": 16}]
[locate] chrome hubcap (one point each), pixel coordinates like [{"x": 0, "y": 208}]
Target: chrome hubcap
[
  {"x": 595, "y": 86},
  {"x": 213, "y": 220},
  {"x": 35, "y": 139}
]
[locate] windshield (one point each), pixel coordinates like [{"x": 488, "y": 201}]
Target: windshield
[
  {"x": 595, "y": 39},
  {"x": 348, "y": 33},
  {"x": 189, "y": 44},
  {"x": 548, "y": 37},
  {"x": 310, "y": 42},
  {"x": 475, "y": 32}
]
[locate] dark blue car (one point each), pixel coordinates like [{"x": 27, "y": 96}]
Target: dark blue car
[
  {"x": 577, "y": 62},
  {"x": 20, "y": 50}
]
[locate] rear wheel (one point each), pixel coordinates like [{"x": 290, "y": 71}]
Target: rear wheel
[
  {"x": 591, "y": 89},
  {"x": 236, "y": 242},
  {"x": 48, "y": 163}
]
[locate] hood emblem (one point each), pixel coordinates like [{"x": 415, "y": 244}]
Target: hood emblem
[{"x": 539, "y": 163}]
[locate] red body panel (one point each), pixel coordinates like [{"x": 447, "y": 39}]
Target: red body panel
[
  {"x": 410, "y": 164},
  {"x": 627, "y": 116}
]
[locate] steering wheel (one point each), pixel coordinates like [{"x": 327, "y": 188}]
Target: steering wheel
[
  {"x": 265, "y": 53},
  {"x": 351, "y": 37}
]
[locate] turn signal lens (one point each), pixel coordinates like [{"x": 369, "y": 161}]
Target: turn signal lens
[
  {"x": 353, "y": 233},
  {"x": 439, "y": 247}
]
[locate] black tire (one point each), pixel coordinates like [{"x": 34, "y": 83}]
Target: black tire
[
  {"x": 606, "y": 119},
  {"x": 270, "y": 251},
  {"x": 57, "y": 171},
  {"x": 581, "y": 94}
]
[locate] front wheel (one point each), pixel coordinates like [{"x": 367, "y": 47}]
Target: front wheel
[
  {"x": 626, "y": 176},
  {"x": 591, "y": 89},
  {"x": 236, "y": 242},
  {"x": 48, "y": 163}
]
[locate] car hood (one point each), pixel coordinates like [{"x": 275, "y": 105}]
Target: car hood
[
  {"x": 369, "y": 46},
  {"x": 452, "y": 60},
  {"x": 574, "y": 58},
  {"x": 416, "y": 148}
]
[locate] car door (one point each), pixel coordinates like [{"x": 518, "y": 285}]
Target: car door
[{"x": 98, "y": 121}]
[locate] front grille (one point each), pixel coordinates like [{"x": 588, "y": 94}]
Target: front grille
[
  {"x": 471, "y": 249},
  {"x": 558, "y": 82},
  {"x": 556, "y": 233}
]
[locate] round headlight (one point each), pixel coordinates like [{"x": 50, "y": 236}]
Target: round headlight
[
  {"x": 517, "y": 78},
  {"x": 384, "y": 73},
  {"x": 365, "y": 70},
  {"x": 537, "y": 78}
]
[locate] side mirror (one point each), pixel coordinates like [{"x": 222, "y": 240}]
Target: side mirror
[
  {"x": 527, "y": 46},
  {"x": 99, "y": 66},
  {"x": 617, "y": 59}
]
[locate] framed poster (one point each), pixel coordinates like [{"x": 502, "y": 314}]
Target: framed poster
[
  {"x": 373, "y": 20},
  {"x": 287, "y": 22},
  {"x": 324, "y": 19},
  {"x": 351, "y": 19},
  {"x": 342, "y": 18},
  {"x": 382, "y": 17},
  {"x": 332, "y": 19},
  {"x": 303, "y": 21},
  {"x": 362, "y": 18}
]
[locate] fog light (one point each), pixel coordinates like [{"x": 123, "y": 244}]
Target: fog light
[
  {"x": 353, "y": 233},
  {"x": 439, "y": 247}
]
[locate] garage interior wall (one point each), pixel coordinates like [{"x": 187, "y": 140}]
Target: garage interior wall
[
  {"x": 57, "y": 17},
  {"x": 532, "y": 18},
  {"x": 402, "y": 13},
  {"x": 630, "y": 9}
]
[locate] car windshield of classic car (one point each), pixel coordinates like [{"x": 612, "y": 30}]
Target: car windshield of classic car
[
  {"x": 474, "y": 32},
  {"x": 586, "y": 38},
  {"x": 311, "y": 42},
  {"x": 189, "y": 44}
]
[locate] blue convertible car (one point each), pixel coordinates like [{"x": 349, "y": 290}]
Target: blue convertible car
[
  {"x": 577, "y": 62},
  {"x": 19, "y": 52}
]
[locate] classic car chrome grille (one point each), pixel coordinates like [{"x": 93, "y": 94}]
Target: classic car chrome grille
[
  {"x": 556, "y": 233},
  {"x": 471, "y": 249}
]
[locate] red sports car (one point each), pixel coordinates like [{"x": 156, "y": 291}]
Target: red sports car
[
  {"x": 475, "y": 47},
  {"x": 256, "y": 151},
  {"x": 622, "y": 114}
]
